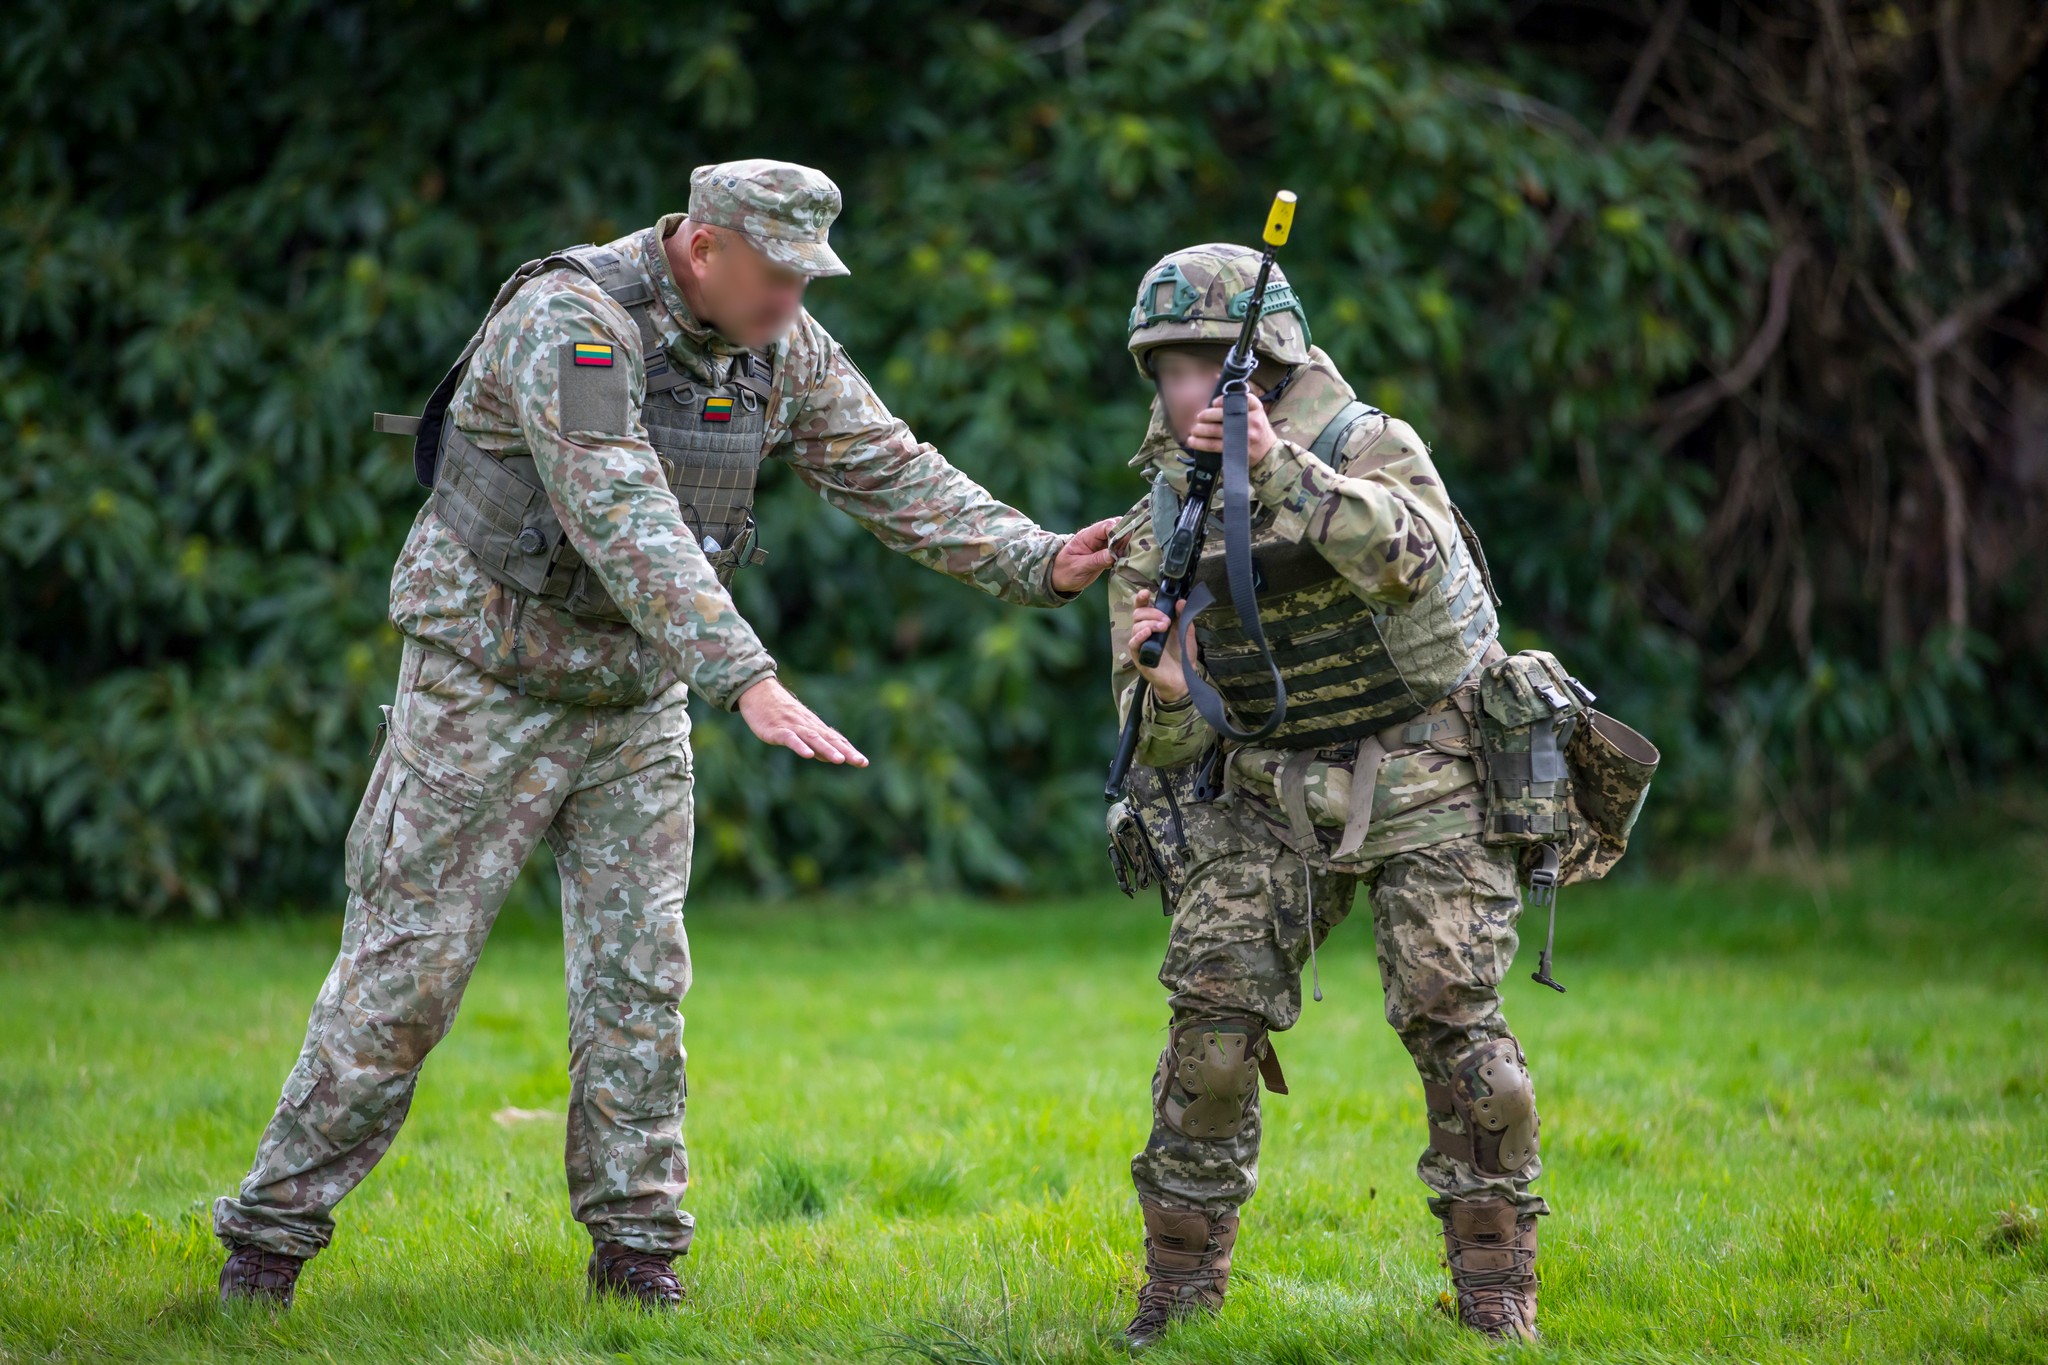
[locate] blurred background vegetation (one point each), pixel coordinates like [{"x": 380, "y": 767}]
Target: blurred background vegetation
[{"x": 1726, "y": 320}]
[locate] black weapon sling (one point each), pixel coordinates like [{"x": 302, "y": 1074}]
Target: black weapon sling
[{"x": 1238, "y": 577}]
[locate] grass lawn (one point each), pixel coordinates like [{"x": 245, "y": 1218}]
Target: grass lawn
[{"x": 1779, "y": 1124}]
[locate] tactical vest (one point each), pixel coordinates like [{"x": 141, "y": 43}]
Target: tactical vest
[
  {"x": 710, "y": 440},
  {"x": 1350, "y": 670}
]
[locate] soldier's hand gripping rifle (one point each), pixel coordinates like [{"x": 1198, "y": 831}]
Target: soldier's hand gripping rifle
[{"x": 1178, "y": 595}]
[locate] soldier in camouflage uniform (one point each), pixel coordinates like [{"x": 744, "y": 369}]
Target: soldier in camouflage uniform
[
  {"x": 1380, "y": 617},
  {"x": 593, "y": 456}
]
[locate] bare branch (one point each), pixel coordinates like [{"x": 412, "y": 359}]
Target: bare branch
[
  {"x": 1953, "y": 510},
  {"x": 1685, "y": 410},
  {"x": 1644, "y": 71}
]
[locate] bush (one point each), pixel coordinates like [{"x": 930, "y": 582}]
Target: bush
[{"x": 232, "y": 230}]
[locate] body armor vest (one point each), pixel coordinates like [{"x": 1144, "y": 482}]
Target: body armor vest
[
  {"x": 1350, "y": 670},
  {"x": 495, "y": 505}
]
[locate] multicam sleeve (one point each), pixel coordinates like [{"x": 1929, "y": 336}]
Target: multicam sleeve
[
  {"x": 843, "y": 441},
  {"x": 1380, "y": 523},
  {"x": 571, "y": 359}
]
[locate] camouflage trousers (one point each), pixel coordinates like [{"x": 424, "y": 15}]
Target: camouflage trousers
[
  {"x": 1243, "y": 905},
  {"x": 470, "y": 778}
]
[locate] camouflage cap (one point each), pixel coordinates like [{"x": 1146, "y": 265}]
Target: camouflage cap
[{"x": 782, "y": 208}]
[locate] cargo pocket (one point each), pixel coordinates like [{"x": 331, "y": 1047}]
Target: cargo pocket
[{"x": 426, "y": 851}]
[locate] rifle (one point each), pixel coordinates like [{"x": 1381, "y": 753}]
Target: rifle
[{"x": 1183, "y": 549}]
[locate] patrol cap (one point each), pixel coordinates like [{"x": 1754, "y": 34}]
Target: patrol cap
[{"x": 784, "y": 210}]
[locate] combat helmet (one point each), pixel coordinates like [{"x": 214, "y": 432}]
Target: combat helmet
[{"x": 1199, "y": 294}]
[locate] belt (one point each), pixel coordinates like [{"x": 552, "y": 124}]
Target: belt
[{"x": 1446, "y": 722}]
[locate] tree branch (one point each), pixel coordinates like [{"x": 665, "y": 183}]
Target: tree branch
[{"x": 1686, "y": 409}]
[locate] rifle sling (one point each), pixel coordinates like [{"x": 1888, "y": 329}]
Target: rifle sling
[{"x": 1237, "y": 565}]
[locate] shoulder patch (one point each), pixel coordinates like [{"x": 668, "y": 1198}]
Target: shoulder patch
[{"x": 593, "y": 388}]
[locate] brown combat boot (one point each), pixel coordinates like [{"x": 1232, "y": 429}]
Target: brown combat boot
[
  {"x": 261, "y": 1276},
  {"x": 1187, "y": 1263},
  {"x": 648, "y": 1277},
  {"x": 1492, "y": 1256}
]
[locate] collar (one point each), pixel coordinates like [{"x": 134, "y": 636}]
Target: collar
[{"x": 697, "y": 339}]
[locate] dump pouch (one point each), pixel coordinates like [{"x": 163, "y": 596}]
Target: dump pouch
[
  {"x": 1611, "y": 767},
  {"x": 1529, "y": 710}
]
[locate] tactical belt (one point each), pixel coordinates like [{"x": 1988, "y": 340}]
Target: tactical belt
[{"x": 1438, "y": 726}]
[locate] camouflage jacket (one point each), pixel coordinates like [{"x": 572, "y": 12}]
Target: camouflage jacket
[
  {"x": 1380, "y": 517},
  {"x": 824, "y": 420}
]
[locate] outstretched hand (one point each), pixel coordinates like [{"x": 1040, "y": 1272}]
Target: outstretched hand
[
  {"x": 775, "y": 716},
  {"x": 1083, "y": 558}
]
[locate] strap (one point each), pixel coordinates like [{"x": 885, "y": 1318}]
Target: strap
[
  {"x": 1543, "y": 892},
  {"x": 1293, "y": 785},
  {"x": 1471, "y": 538},
  {"x": 1237, "y": 565},
  {"x": 1331, "y": 437},
  {"x": 426, "y": 445},
  {"x": 1237, "y": 544},
  {"x": 1456, "y": 1146},
  {"x": 1433, "y": 727},
  {"x": 395, "y": 424},
  {"x": 1269, "y": 1069},
  {"x": 1365, "y": 779}
]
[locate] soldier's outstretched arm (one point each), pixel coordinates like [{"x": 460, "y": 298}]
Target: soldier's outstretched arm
[
  {"x": 1380, "y": 517},
  {"x": 574, "y": 368},
  {"x": 844, "y": 442}
]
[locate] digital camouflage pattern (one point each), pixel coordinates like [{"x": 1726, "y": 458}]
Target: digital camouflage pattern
[
  {"x": 785, "y": 210},
  {"x": 1240, "y": 890},
  {"x": 1611, "y": 766},
  {"x": 606, "y": 486},
  {"x": 517, "y": 722},
  {"x": 470, "y": 778},
  {"x": 1443, "y": 926}
]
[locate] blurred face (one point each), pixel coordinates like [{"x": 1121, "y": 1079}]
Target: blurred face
[
  {"x": 1187, "y": 377},
  {"x": 733, "y": 287}
]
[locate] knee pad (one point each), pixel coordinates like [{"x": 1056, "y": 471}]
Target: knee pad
[
  {"x": 1209, "y": 1076},
  {"x": 1495, "y": 1101}
]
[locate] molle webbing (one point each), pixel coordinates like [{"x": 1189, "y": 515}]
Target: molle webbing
[
  {"x": 709, "y": 438},
  {"x": 1349, "y": 670}
]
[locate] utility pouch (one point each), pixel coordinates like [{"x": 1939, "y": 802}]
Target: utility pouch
[
  {"x": 1529, "y": 709},
  {"x": 1131, "y": 853},
  {"x": 1611, "y": 767}
]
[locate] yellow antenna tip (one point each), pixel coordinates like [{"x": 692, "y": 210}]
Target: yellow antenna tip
[{"x": 1281, "y": 219}]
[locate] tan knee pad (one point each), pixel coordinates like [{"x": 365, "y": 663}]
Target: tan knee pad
[
  {"x": 1209, "y": 1075},
  {"x": 1495, "y": 1101}
]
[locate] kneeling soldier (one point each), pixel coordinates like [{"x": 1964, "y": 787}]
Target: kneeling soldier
[{"x": 1381, "y": 619}]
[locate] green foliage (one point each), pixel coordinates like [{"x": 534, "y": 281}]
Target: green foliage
[{"x": 232, "y": 230}]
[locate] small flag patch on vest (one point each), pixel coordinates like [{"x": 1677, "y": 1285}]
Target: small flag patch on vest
[
  {"x": 718, "y": 408},
  {"x": 593, "y": 353}
]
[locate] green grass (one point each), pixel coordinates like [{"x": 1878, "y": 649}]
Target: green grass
[{"x": 1780, "y": 1124}]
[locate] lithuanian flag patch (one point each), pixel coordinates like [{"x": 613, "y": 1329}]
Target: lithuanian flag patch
[
  {"x": 593, "y": 353},
  {"x": 717, "y": 408}
]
